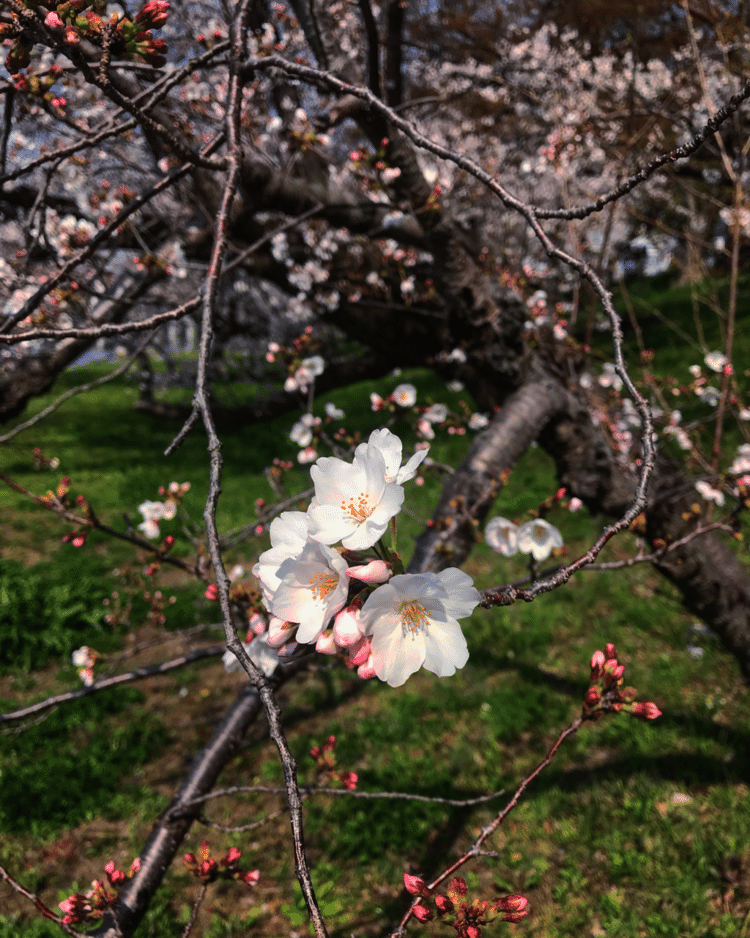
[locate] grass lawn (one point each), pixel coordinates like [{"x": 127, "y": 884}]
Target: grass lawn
[{"x": 635, "y": 830}]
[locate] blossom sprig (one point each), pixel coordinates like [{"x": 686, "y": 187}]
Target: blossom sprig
[
  {"x": 356, "y": 601},
  {"x": 325, "y": 760},
  {"x": 208, "y": 869},
  {"x": 606, "y": 692},
  {"x": 402, "y": 402},
  {"x": 153, "y": 512},
  {"x": 84, "y": 659},
  {"x": 78, "y": 908},
  {"x": 454, "y": 908}
]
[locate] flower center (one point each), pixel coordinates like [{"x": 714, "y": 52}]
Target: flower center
[
  {"x": 360, "y": 509},
  {"x": 413, "y": 616},
  {"x": 321, "y": 584},
  {"x": 540, "y": 532}
]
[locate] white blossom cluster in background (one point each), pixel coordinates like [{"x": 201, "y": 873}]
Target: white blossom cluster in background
[
  {"x": 348, "y": 600},
  {"x": 154, "y": 512},
  {"x": 536, "y": 537}
]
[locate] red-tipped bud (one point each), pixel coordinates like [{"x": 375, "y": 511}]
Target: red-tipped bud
[
  {"x": 444, "y": 904},
  {"x": 597, "y": 663},
  {"x": 250, "y": 878},
  {"x": 329, "y": 744},
  {"x": 646, "y": 711},
  {"x": 315, "y": 752},
  {"x": 628, "y": 694},
  {"x": 610, "y": 651},
  {"x": 168, "y": 540},
  {"x": 514, "y": 916},
  {"x": 592, "y": 699},
  {"x": 233, "y": 856},
  {"x": 458, "y": 885},
  {"x": 212, "y": 591},
  {"x": 349, "y": 780},
  {"x": 416, "y": 885},
  {"x": 472, "y": 931},
  {"x": 422, "y": 913},
  {"x": 513, "y": 903}
]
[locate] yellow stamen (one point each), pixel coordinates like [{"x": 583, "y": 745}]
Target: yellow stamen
[
  {"x": 359, "y": 510},
  {"x": 413, "y": 616},
  {"x": 321, "y": 584}
]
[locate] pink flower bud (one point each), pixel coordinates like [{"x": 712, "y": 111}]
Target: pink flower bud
[
  {"x": 286, "y": 650},
  {"x": 422, "y": 913},
  {"x": 212, "y": 591},
  {"x": 71, "y": 36},
  {"x": 376, "y": 571},
  {"x": 326, "y": 644},
  {"x": 250, "y": 878},
  {"x": 472, "y": 931},
  {"x": 53, "y": 20},
  {"x": 514, "y": 916},
  {"x": 646, "y": 711},
  {"x": 366, "y": 671},
  {"x": 349, "y": 780},
  {"x": 597, "y": 663},
  {"x": 458, "y": 885},
  {"x": 280, "y": 632},
  {"x": 135, "y": 865},
  {"x": 610, "y": 651},
  {"x": 233, "y": 856},
  {"x": 346, "y": 628},
  {"x": 359, "y": 652},
  {"x": 592, "y": 698},
  {"x": 513, "y": 903},
  {"x": 444, "y": 904},
  {"x": 416, "y": 885}
]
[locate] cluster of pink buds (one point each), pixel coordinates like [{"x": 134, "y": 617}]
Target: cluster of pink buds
[
  {"x": 78, "y": 908},
  {"x": 455, "y": 909},
  {"x": 78, "y": 19},
  {"x": 607, "y": 693},
  {"x": 326, "y": 761},
  {"x": 207, "y": 869}
]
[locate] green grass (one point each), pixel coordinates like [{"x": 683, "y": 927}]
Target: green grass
[{"x": 634, "y": 830}]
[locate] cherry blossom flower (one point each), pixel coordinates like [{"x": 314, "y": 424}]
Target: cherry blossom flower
[
  {"x": 313, "y": 588},
  {"x": 538, "y": 538},
  {"x": 716, "y": 361},
  {"x": 390, "y": 447},
  {"x": 334, "y": 412},
  {"x": 710, "y": 396},
  {"x": 709, "y": 492},
  {"x": 609, "y": 378},
  {"x": 405, "y": 395},
  {"x": 502, "y": 536},
  {"x": 289, "y": 535},
  {"x": 413, "y": 623},
  {"x": 353, "y": 502},
  {"x": 478, "y": 421},
  {"x": 424, "y": 429},
  {"x": 301, "y": 434},
  {"x": 260, "y": 653},
  {"x": 741, "y": 463},
  {"x": 436, "y": 414}
]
